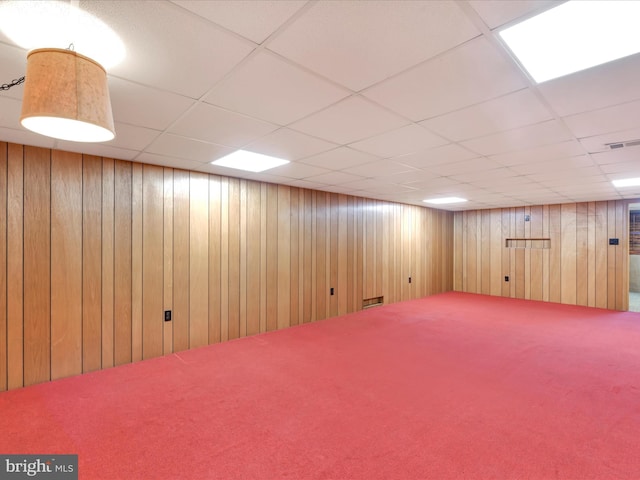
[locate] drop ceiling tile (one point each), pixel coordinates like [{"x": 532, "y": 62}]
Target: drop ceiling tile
[
  {"x": 166, "y": 161},
  {"x": 334, "y": 178},
  {"x": 132, "y": 137},
  {"x": 478, "y": 164},
  {"x": 630, "y": 168},
  {"x": 472, "y": 73},
  {"x": 605, "y": 85},
  {"x": 212, "y": 124},
  {"x": 358, "y": 44},
  {"x": 271, "y": 176},
  {"x": 379, "y": 169},
  {"x": 289, "y": 145},
  {"x": 411, "y": 177},
  {"x": 187, "y": 148},
  {"x": 167, "y": 35},
  {"x": 147, "y": 107},
  {"x": 409, "y": 139},
  {"x": 25, "y": 137},
  {"x": 382, "y": 188},
  {"x": 605, "y": 120},
  {"x": 525, "y": 138},
  {"x": 599, "y": 143},
  {"x": 433, "y": 184},
  {"x": 570, "y": 163},
  {"x": 348, "y": 121},
  {"x": 623, "y": 155},
  {"x": 270, "y": 88},
  {"x": 502, "y": 172},
  {"x": 436, "y": 156},
  {"x": 339, "y": 158},
  {"x": 511, "y": 111},
  {"x": 251, "y": 19},
  {"x": 98, "y": 149},
  {"x": 223, "y": 171},
  {"x": 565, "y": 149},
  {"x": 495, "y": 13},
  {"x": 299, "y": 170}
]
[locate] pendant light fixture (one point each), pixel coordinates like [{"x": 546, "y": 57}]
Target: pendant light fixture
[{"x": 66, "y": 97}]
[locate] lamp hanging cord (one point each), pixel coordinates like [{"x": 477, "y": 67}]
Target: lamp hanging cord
[{"x": 13, "y": 83}]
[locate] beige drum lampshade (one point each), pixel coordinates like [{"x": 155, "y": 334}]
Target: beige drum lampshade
[{"x": 66, "y": 96}]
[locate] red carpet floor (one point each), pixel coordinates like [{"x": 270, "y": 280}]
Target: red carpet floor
[{"x": 454, "y": 386}]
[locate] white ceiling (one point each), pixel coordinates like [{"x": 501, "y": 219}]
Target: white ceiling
[{"x": 395, "y": 100}]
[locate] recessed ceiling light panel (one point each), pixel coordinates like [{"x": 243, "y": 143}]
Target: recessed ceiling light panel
[
  {"x": 574, "y": 36},
  {"x": 51, "y": 24},
  {"x": 626, "y": 182},
  {"x": 444, "y": 200},
  {"x": 249, "y": 161}
]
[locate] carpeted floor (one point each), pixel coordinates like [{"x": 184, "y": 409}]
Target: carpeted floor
[{"x": 455, "y": 386}]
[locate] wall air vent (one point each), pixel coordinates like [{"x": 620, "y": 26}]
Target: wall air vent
[{"x": 617, "y": 145}]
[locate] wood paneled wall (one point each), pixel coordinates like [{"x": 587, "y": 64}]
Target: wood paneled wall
[
  {"x": 94, "y": 250},
  {"x": 579, "y": 268}
]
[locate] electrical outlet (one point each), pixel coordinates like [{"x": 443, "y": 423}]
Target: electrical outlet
[
  {"x": 409, "y": 279},
  {"x": 331, "y": 290},
  {"x": 167, "y": 315},
  {"x": 506, "y": 278}
]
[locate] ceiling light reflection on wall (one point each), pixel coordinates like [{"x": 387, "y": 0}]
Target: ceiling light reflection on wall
[
  {"x": 249, "y": 161},
  {"x": 445, "y": 200},
  {"x": 574, "y": 36}
]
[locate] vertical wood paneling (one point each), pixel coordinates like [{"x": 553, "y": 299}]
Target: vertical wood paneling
[
  {"x": 284, "y": 257},
  {"x": 611, "y": 255},
  {"x": 545, "y": 254},
  {"x": 457, "y": 252},
  {"x": 582, "y": 256},
  {"x": 333, "y": 254},
  {"x": 15, "y": 266},
  {"x": 555, "y": 253},
  {"x": 3, "y": 266},
  {"x": 579, "y": 268},
  {"x": 91, "y": 263},
  {"x": 214, "y": 259},
  {"x": 321, "y": 256},
  {"x": 307, "y": 282},
  {"x": 234, "y": 258},
  {"x": 152, "y": 283},
  {"x": 37, "y": 265},
  {"x": 343, "y": 262},
  {"x": 253, "y": 258},
  {"x": 294, "y": 304},
  {"x": 66, "y": 264},
  {"x": 198, "y": 260},
  {"x": 136, "y": 262},
  {"x": 108, "y": 279},
  {"x": 181, "y": 263},
  {"x": 263, "y": 257},
  {"x": 536, "y": 253},
  {"x": 485, "y": 260},
  {"x": 472, "y": 250},
  {"x": 591, "y": 254},
  {"x": 272, "y": 257},
  {"x": 602, "y": 277},
  {"x": 122, "y": 264},
  {"x": 167, "y": 255}
]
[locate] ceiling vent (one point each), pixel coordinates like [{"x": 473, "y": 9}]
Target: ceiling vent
[{"x": 617, "y": 145}]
